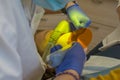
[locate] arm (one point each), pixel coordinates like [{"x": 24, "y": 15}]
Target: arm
[
  {"x": 74, "y": 12},
  {"x": 57, "y": 12},
  {"x": 73, "y": 62},
  {"x": 10, "y": 62},
  {"x": 67, "y": 76}
]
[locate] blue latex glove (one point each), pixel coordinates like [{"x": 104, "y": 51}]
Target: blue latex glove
[
  {"x": 56, "y": 56},
  {"x": 77, "y": 16},
  {"x": 73, "y": 58}
]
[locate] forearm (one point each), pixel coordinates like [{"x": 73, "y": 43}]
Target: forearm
[
  {"x": 68, "y": 76},
  {"x": 57, "y": 12},
  {"x": 118, "y": 8}
]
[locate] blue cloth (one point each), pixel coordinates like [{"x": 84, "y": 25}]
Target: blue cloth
[{"x": 52, "y": 4}]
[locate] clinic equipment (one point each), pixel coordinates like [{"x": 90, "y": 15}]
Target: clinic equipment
[
  {"x": 83, "y": 36},
  {"x": 61, "y": 28}
]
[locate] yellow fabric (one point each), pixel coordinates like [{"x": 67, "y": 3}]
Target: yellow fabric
[{"x": 113, "y": 75}]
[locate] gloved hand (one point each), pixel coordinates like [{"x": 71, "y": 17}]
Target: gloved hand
[
  {"x": 56, "y": 56},
  {"x": 77, "y": 16},
  {"x": 73, "y": 58}
]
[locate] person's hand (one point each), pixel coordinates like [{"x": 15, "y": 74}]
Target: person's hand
[
  {"x": 77, "y": 16},
  {"x": 72, "y": 58},
  {"x": 56, "y": 56}
]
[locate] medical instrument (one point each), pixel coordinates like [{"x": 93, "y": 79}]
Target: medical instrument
[{"x": 61, "y": 28}]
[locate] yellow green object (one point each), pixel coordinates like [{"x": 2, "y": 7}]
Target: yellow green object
[
  {"x": 64, "y": 41},
  {"x": 83, "y": 36},
  {"x": 61, "y": 35},
  {"x": 62, "y": 28}
]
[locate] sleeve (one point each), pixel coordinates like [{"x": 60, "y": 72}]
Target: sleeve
[
  {"x": 10, "y": 63},
  {"x": 52, "y": 4}
]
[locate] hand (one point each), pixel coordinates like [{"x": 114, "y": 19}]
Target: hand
[
  {"x": 56, "y": 56},
  {"x": 73, "y": 58},
  {"x": 77, "y": 16}
]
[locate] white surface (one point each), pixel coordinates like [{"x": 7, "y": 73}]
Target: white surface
[{"x": 19, "y": 59}]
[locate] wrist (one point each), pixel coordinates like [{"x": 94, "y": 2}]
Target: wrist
[
  {"x": 69, "y": 4},
  {"x": 68, "y": 75}
]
